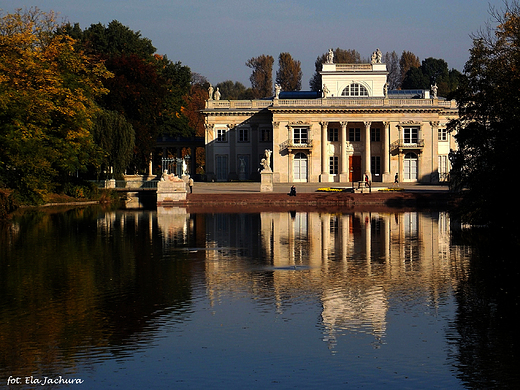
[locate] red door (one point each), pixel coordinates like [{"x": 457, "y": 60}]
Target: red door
[{"x": 354, "y": 164}]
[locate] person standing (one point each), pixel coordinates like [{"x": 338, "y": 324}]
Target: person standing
[{"x": 190, "y": 182}]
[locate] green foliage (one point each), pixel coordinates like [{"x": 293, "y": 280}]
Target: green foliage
[
  {"x": 487, "y": 127},
  {"x": 116, "y": 40},
  {"x": 148, "y": 90},
  {"x": 116, "y": 137},
  {"x": 234, "y": 91},
  {"x": 432, "y": 71}
]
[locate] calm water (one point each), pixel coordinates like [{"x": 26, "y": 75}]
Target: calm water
[{"x": 170, "y": 300}]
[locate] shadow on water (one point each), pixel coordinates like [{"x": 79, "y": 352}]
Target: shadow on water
[{"x": 484, "y": 334}]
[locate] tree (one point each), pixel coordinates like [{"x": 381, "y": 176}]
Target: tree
[
  {"x": 432, "y": 71},
  {"x": 394, "y": 71},
  {"x": 341, "y": 56},
  {"x": 117, "y": 40},
  {"x": 408, "y": 60},
  {"x": 234, "y": 91},
  {"x": 147, "y": 89},
  {"x": 487, "y": 128},
  {"x": 289, "y": 73},
  {"x": 115, "y": 136},
  {"x": 415, "y": 79},
  {"x": 262, "y": 75},
  {"x": 48, "y": 93}
]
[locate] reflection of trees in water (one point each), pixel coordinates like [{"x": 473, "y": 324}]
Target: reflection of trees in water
[
  {"x": 82, "y": 283},
  {"x": 484, "y": 338}
]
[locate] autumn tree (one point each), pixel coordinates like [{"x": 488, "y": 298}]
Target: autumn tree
[
  {"x": 487, "y": 127},
  {"x": 48, "y": 93},
  {"x": 341, "y": 56},
  {"x": 408, "y": 60},
  {"x": 262, "y": 75},
  {"x": 289, "y": 73},
  {"x": 194, "y": 103}
]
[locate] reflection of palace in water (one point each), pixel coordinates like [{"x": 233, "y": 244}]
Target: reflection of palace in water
[{"x": 351, "y": 263}]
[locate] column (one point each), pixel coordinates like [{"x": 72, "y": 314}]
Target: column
[
  {"x": 434, "y": 174},
  {"x": 344, "y": 176},
  {"x": 209, "y": 148},
  {"x": 366, "y": 163},
  {"x": 324, "y": 177},
  {"x": 386, "y": 152}
]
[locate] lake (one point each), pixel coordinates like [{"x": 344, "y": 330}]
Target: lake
[{"x": 95, "y": 298}]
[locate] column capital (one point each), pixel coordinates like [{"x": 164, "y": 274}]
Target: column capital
[{"x": 367, "y": 124}]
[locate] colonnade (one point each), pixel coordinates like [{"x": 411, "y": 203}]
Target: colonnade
[{"x": 347, "y": 150}]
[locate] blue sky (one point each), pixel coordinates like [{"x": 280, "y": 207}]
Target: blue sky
[{"x": 216, "y": 37}]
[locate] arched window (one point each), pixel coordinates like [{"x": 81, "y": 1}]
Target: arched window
[{"x": 355, "y": 89}]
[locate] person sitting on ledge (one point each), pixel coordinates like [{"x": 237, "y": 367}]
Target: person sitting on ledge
[{"x": 293, "y": 191}]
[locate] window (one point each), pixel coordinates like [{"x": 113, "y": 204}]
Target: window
[
  {"x": 300, "y": 135},
  {"x": 355, "y": 89},
  {"x": 411, "y": 135},
  {"x": 243, "y": 135},
  {"x": 265, "y": 135},
  {"x": 375, "y": 165},
  {"x": 443, "y": 135},
  {"x": 444, "y": 169},
  {"x": 354, "y": 134},
  {"x": 333, "y": 134},
  {"x": 221, "y": 135},
  {"x": 375, "y": 135},
  {"x": 333, "y": 161}
]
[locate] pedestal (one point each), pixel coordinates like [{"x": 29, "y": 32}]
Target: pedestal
[
  {"x": 170, "y": 192},
  {"x": 266, "y": 181}
]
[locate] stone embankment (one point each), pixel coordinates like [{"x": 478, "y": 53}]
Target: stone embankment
[{"x": 236, "y": 202}]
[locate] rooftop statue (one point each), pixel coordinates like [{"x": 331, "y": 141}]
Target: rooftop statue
[
  {"x": 330, "y": 56},
  {"x": 277, "y": 89},
  {"x": 377, "y": 57}
]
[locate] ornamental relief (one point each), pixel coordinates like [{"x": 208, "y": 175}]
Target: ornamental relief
[{"x": 298, "y": 124}]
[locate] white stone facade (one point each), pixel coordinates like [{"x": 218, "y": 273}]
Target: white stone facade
[{"x": 355, "y": 128}]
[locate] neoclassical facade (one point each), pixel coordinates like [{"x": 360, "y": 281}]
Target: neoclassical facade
[{"x": 354, "y": 127}]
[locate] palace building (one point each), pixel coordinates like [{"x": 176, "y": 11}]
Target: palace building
[{"x": 355, "y": 126}]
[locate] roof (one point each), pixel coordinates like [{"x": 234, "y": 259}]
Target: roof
[{"x": 299, "y": 95}]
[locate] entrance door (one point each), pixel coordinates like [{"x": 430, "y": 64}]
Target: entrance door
[
  {"x": 410, "y": 167},
  {"x": 300, "y": 167},
  {"x": 355, "y": 168}
]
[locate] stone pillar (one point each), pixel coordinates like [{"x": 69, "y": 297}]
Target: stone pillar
[
  {"x": 366, "y": 163},
  {"x": 210, "y": 155},
  {"x": 324, "y": 177},
  {"x": 386, "y": 152},
  {"x": 343, "y": 173},
  {"x": 266, "y": 181},
  {"x": 434, "y": 175},
  {"x": 150, "y": 165}
]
